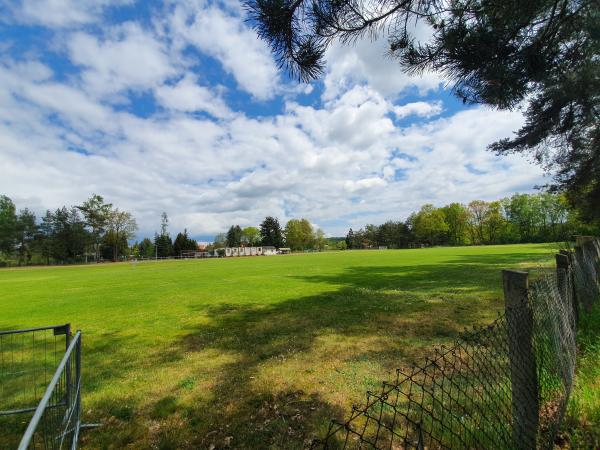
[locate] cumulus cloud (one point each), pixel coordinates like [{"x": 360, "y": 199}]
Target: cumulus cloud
[
  {"x": 60, "y": 13},
  {"x": 421, "y": 109},
  {"x": 127, "y": 58},
  {"x": 224, "y": 35},
  {"x": 188, "y": 96},
  {"x": 339, "y": 161},
  {"x": 365, "y": 62},
  {"x": 330, "y": 163}
]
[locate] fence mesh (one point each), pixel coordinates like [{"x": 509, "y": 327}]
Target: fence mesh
[
  {"x": 56, "y": 421},
  {"x": 502, "y": 386},
  {"x": 29, "y": 360}
]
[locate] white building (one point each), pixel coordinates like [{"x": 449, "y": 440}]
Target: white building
[{"x": 269, "y": 250}]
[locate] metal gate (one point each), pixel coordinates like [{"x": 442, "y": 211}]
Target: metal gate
[{"x": 40, "y": 373}]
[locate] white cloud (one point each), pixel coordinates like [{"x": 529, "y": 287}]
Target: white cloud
[
  {"x": 420, "y": 109},
  {"x": 365, "y": 62},
  {"x": 337, "y": 163},
  {"x": 60, "y": 13},
  {"x": 228, "y": 39},
  {"x": 128, "y": 58},
  {"x": 188, "y": 96},
  {"x": 341, "y": 161}
]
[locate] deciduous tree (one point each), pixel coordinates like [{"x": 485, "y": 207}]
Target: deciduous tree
[
  {"x": 429, "y": 224},
  {"x": 251, "y": 236},
  {"x": 299, "y": 234},
  {"x": 96, "y": 215},
  {"x": 456, "y": 216},
  {"x": 121, "y": 227}
]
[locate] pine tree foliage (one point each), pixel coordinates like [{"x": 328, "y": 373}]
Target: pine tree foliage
[
  {"x": 271, "y": 232},
  {"x": 540, "y": 55}
]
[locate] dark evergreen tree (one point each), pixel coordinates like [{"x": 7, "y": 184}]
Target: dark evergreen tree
[
  {"x": 163, "y": 245},
  {"x": 26, "y": 232},
  {"x": 69, "y": 235},
  {"x": 184, "y": 243},
  {"x": 234, "y": 236},
  {"x": 45, "y": 237},
  {"x": 8, "y": 223},
  {"x": 350, "y": 239},
  {"x": 271, "y": 233},
  {"x": 146, "y": 248},
  {"x": 501, "y": 53},
  {"x": 393, "y": 234}
]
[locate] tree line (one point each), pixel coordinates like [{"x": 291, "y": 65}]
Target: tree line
[
  {"x": 162, "y": 246},
  {"x": 521, "y": 218},
  {"x": 94, "y": 230},
  {"x": 298, "y": 235},
  {"x": 540, "y": 55}
]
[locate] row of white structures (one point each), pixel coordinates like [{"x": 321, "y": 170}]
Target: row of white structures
[{"x": 250, "y": 251}]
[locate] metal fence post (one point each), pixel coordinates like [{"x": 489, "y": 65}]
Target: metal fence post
[
  {"x": 77, "y": 405},
  {"x": 68, "y": 368},
  {"x": 523, "y": 370}
]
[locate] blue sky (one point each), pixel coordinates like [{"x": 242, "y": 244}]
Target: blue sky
[{"x": 176, "y": 106}]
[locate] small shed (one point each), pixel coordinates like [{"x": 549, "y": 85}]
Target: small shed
[
  {"x": 285, "y": 250},
  {"x": 268, "y": 250}
]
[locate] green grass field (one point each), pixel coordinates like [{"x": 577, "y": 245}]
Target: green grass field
[{"x": 254, "y": 352}]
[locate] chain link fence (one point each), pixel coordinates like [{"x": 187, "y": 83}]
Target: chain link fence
[
  {"x": 40, "y": 377},
  {"x": 57, "y": 420},
  {"x": 502, "y": 386}
]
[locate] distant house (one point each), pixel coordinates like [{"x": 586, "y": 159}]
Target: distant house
[
  {"x": 269, "y": 250},
  {"x": 249, "y": 251}
]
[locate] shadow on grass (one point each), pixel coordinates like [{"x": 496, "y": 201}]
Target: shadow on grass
[
  {"x": 381, "y": 315},
  {"x": 321, "y": 351},
  {"x": 480, "y": 273}
]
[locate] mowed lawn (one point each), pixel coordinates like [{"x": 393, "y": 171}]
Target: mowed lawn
[{"x": 256, "y": 352}]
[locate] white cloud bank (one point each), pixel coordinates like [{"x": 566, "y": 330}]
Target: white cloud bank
[
  {"x": 59, "y": 13},
  {"x": 342, "y": 163}
]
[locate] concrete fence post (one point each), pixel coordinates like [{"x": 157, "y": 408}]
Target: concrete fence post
[
  {"x": 585, "y": 291},
  {"x": 580, "y": 240},
  {"x": 566, "y": 281},
  {"x": 523, "y": 371},
  {"x": 562, "y": 269}
]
